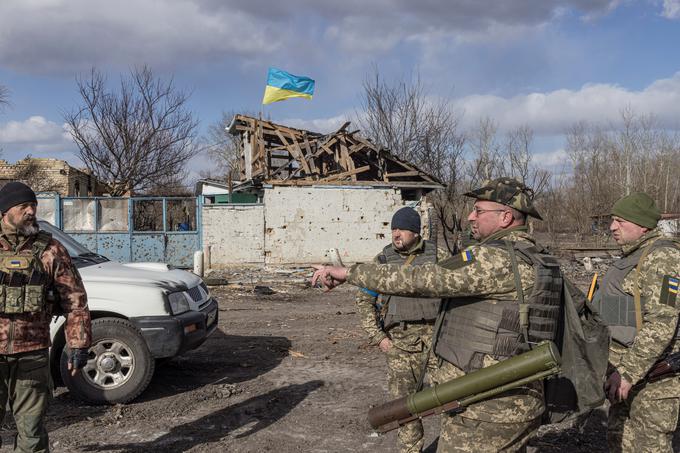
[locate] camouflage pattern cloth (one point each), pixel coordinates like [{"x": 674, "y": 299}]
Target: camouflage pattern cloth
[
  {"x": 410, "y": 343},
  {"x": 504, "y": 422},
  {"x": 509, "y": 192},
  {"x": 31, "y": 331},
  {"x": 647, "y": 419},
  {"x": 26, "y": 387}
]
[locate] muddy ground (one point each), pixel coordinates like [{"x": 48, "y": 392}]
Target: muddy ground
[{"x": 287, "y": 371}]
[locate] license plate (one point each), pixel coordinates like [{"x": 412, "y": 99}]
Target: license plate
[{"x": 210, "y": 319}]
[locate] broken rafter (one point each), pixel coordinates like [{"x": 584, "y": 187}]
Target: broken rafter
[{"x": 330, "y": 157}]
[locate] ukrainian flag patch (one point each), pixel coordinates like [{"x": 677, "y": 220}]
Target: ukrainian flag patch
[
  {"x": 673, "y": 284},
  {"x": 467, "y": 256},
  {"x": 669, "y": 290},
  {"x": 15, "y": 262}
]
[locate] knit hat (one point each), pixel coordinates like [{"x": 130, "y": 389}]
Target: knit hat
[
  {"x": 406, "y": 219},
  {"x": 638, "y": 208},
  {"x": 15, "y": 193}
]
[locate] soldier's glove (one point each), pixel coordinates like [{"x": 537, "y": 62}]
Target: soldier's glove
[{"x": 78, "y": 357}]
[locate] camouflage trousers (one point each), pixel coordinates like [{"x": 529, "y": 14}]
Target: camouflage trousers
[
  {"x": 646, "y": 421},
  {"x": 404, "y": 363},
  {"x": 504, "y": 423},
  {"x": 26, "y": 385}
]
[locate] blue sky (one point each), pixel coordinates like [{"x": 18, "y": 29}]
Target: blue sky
[{"x": 544, "y": 63}]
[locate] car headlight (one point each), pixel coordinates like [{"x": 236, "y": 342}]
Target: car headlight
[{"x": 179, "y": 302}]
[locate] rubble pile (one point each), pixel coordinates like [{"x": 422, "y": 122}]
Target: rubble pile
[{"x": 273, "y": 153}]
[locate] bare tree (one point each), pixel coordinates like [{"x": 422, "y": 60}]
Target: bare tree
[
  {"x": 518, "y": 152},
  {"x": 134, "y": 137},
  {"x": 4, "y": 97},
  {"x": 224, "y": 148},
  {"x": 402, "y": 118}
]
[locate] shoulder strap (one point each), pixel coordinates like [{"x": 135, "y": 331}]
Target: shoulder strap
[
  {"x": 523, "y": 307},
  {"x": 42, "y": 240}
]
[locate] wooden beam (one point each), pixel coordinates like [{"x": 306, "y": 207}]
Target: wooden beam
[{"x": 345, "y": 174}]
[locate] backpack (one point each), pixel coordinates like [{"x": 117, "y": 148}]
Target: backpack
[{"x": 583, "y": 341}]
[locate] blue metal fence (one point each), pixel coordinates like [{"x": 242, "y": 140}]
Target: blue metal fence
[{"x": 160, "y": 229}]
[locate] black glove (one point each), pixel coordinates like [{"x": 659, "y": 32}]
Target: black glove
[{"x": 78, "y": 357}]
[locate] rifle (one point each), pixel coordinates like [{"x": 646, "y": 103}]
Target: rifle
[
  {"x": 454, "y": 395},
  {"x": 665, "y": 367}
]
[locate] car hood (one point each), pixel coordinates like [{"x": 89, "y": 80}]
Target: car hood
[{"x": 140, "y": 274}]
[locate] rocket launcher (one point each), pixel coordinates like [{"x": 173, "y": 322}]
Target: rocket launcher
[{"x": 454, "y": 395}]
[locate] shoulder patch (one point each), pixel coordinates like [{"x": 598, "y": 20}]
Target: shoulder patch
[
  {"x": 458, "y": 260},
  {"x": 669, "y": 290}
]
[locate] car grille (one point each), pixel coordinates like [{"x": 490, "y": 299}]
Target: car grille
[{"x": 195, "y": 294}]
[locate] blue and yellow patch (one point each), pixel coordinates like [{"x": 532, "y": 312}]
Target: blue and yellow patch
[
  {"x": 669, "y": 290},
  {"x": 15, "y": 262},
  {"x": 458, "y": 260}
]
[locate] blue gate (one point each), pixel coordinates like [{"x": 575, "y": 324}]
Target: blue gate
[{"x": 159, "y": 229}]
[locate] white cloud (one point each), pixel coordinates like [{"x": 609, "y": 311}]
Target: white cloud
[
  {"x": 36, "y": 129},
  {"x": 671, "y": 9},
  {"x": 36, "y": 135},
  {"x": 555, "y": 111},
  {"x": 322, "y": 125},
  {"x": 53, "y": 36}
]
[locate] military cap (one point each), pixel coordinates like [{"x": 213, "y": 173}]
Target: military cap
[
  {"x": 507, "y": 191},
  {"x": 638, "y": 208}
]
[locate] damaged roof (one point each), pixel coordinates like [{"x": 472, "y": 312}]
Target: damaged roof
[{"x": 280, "y": 155}]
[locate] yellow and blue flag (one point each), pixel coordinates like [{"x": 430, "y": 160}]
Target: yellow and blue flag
[{"x": 283, "y": 85}]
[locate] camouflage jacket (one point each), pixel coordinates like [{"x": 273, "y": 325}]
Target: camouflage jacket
[
  {"x": 31, "y": 331},
  {"x": 659, "y": 320},
  {"x": 487, "y": 274},
  {"x": 481, "y": 270},
  {"x": 365, "y": 302}
]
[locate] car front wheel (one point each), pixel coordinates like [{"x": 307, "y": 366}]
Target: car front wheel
[{"x": 119, "y": 367}]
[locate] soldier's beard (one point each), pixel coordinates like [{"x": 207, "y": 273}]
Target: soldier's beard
[{"x": 29, "y": 229}]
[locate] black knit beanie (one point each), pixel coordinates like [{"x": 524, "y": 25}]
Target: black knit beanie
[
  {"x": 15, "y": 193},
  {"x": 406, "y": 219}
]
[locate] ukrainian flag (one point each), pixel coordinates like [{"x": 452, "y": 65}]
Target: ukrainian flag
[{"x": 283, "y": 85}]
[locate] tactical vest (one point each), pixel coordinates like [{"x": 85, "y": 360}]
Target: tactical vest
[
  {"x": 401, "y": 308},
  {"x": 615, "y": 305},
  {"x": 23, "y": 280},
  {"x": 474, "y": 326}
]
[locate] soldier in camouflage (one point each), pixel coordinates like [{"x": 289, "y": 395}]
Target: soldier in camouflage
[
  {"x": 484, "y": 287},
  {"x": 642, "y": 416},
  {"x": 34, "y": 266},
  {"x": 402, "y": 327}
]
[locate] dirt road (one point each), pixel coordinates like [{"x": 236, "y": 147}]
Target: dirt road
[{"x": 287, "y": 371}]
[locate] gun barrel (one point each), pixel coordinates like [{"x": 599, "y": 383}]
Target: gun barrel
[{"x": 539, "y": 362}]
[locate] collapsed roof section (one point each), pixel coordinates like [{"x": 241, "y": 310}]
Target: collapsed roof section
[{"x": 280, "y": 155}]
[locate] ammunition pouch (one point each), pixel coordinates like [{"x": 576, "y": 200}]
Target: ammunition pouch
[
  {"x": 23, "y": 281},
  {"x": 618, "y": 312}
]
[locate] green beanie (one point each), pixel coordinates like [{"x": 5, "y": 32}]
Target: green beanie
[{"x": 638, "y": 208}]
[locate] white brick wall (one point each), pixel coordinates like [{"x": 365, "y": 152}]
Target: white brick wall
[
  {"x": 301, "y": 224},
  {"x": 234, "y": 233}
]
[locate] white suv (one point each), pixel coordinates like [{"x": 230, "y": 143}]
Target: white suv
[{"x": 140, "y": 312}]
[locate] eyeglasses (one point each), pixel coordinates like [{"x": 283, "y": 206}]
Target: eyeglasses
[{"x": 479, "y": 212}]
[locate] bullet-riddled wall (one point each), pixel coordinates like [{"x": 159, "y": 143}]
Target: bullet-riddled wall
[
  {"x": 300, "y": 224},
  {"x": 303, "y": 223}
]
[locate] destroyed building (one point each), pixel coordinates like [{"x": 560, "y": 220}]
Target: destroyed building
[
  {"x": 51, "y": 175},
  {"x": 314, "y": 192}
]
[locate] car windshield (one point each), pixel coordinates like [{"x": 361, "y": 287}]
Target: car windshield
[{"x": 79, "y": 253}]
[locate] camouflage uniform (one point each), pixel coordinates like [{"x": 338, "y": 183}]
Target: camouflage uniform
[
  {"x": 410, "y": 343},
  {"x": 502, "y": 423},
  {"x": 647, "y": 419},
  {"x": 25, "y": 338}
]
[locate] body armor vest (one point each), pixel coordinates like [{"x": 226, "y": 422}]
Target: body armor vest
[
  {"x": 401, "y": 308},
  {"x": 474, "y": 326},
  {"x": 615, "y": 305},
  {"x": 23, "y": 280}
]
